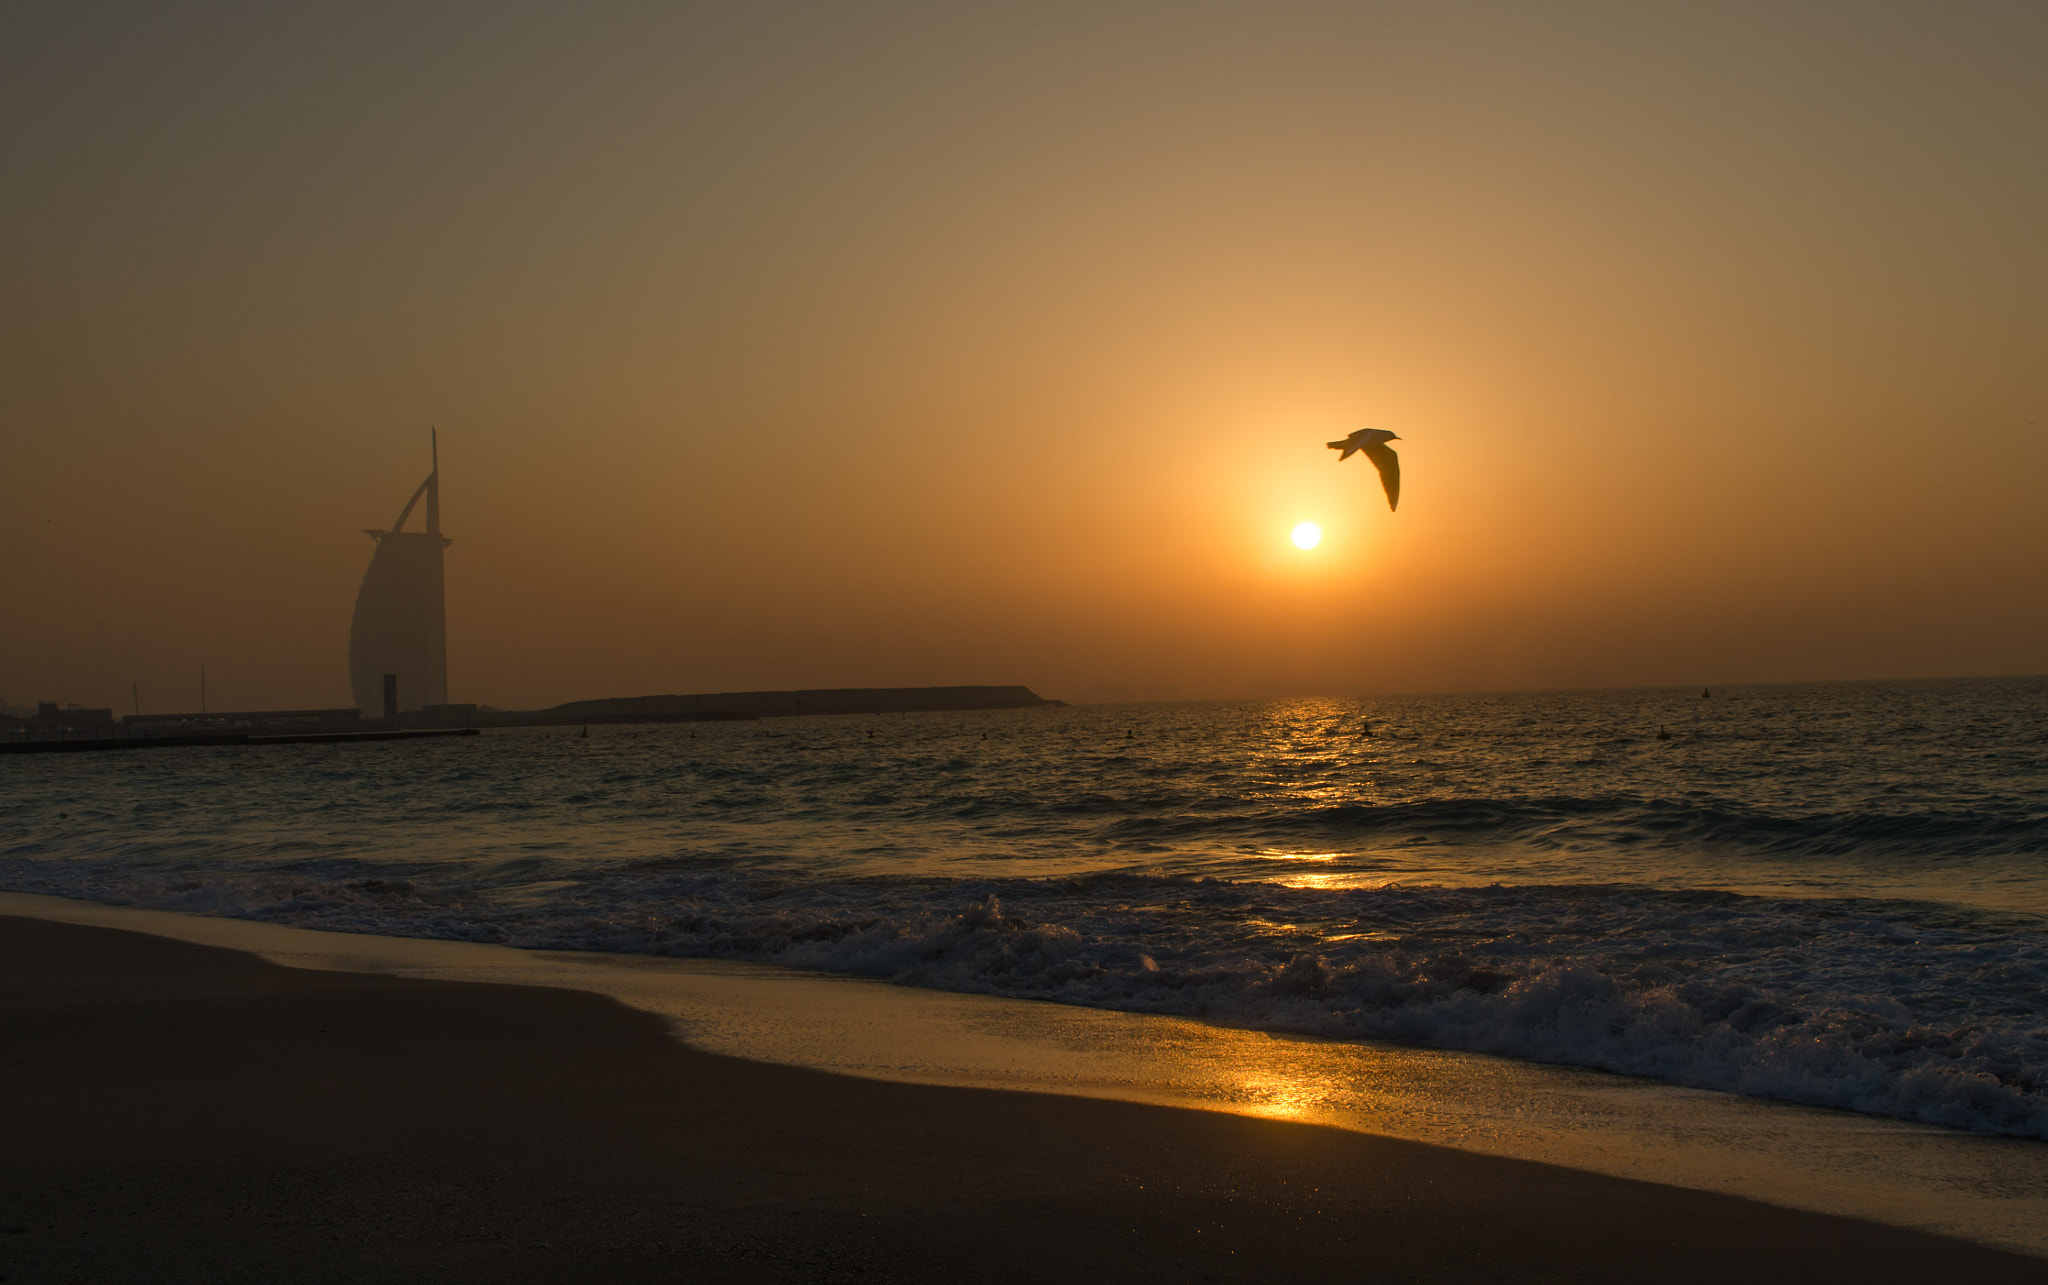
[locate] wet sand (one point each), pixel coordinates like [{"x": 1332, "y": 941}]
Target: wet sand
[{"x": 180, "y": 1112}]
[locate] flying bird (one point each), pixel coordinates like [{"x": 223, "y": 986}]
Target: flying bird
[{"x": 1373, "y": 441}]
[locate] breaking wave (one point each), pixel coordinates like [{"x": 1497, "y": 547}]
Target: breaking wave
[{"x": 1916, "y": 1011}]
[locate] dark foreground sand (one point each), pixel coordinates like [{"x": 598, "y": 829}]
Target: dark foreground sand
[{"x": 177, "y": 1113}]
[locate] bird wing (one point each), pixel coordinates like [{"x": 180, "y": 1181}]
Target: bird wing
[
  {"x": 1345, "y": 446},
  {"x": 1389, "y": 465}
]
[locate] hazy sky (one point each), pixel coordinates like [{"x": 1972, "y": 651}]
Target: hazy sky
[{"x": 793, "y": 345}]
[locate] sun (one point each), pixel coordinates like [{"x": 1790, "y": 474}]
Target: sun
[{"x": 1307, "y": 536}]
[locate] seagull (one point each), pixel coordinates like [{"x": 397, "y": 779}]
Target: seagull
[{"x": 1373, "y": 441}]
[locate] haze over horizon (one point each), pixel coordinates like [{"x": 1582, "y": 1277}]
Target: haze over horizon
[{"x": 794, "y": 345}]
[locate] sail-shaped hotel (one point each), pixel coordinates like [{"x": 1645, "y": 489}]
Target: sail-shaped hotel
[{"x": 398, "y": 643}]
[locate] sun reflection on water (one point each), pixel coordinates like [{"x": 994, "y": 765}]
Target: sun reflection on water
[{"x": 1348, "y": 879}]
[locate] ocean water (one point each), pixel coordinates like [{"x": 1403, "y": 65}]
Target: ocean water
[{"x": 1834, "y": 894}]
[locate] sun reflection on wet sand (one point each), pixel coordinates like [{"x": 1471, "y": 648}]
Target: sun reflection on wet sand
[{"x": 1274, "y": 1098}]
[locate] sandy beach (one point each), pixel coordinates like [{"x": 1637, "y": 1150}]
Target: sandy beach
[{"x": 179, "y": 1112}]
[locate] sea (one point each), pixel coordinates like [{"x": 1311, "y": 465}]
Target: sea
[{"x": 1833, "y": 894}]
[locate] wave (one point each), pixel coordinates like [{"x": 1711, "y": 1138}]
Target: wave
[
  {"x": 1607, "y": 819},
  {"x": 1911, "y": 1010},
  {"x": 1193, "y": 824}
]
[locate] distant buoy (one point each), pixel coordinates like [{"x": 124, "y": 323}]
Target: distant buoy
[
  {"x": 1706, "y": 694},
  {"x": 1662, "y": 734},
  {"x": 586, "y": 730}
]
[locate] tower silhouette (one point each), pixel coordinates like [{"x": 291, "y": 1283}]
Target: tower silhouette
[{"x": 400, "y": 624}]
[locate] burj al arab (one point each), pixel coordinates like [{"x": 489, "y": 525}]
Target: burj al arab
[{"x": 398, "y": 642}]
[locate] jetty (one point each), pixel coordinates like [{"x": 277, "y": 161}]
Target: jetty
[{"x": 78, "y": 742}]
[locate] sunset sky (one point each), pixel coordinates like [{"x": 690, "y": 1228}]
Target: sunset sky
[{"x": 807, "y": 345}]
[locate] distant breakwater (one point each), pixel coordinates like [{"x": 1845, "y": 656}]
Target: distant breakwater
[{"x": 719, "y": 706}]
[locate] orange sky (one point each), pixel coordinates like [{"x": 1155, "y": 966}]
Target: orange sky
[{"x": 781, "y": 345}]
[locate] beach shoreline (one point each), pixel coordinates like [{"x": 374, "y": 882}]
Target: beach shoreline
[
  {"x": 187, "y": 1112},
  {"x": 1990, "y": 1190}
]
